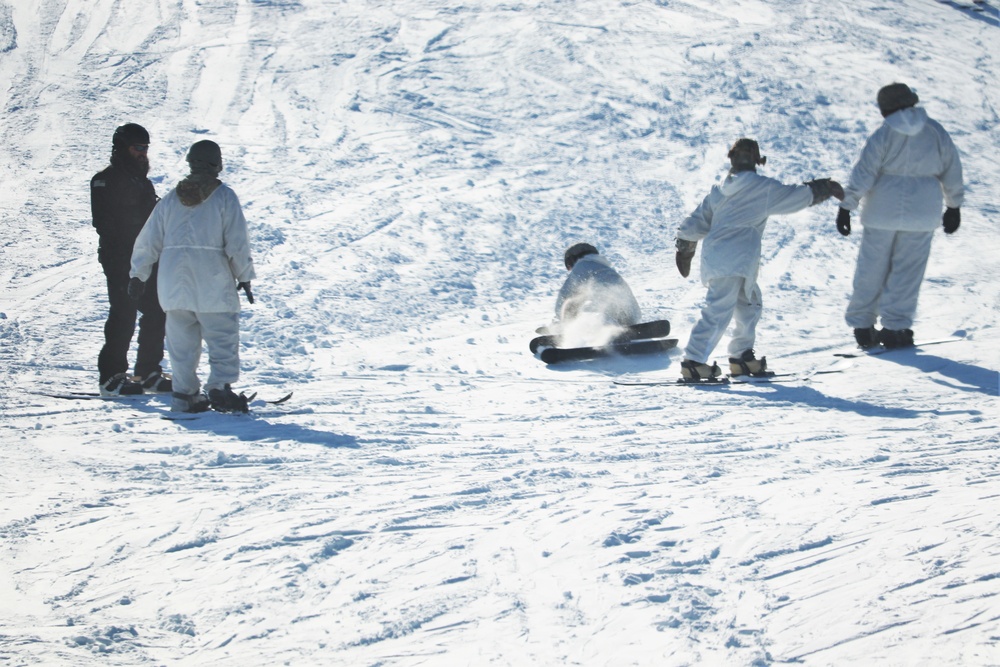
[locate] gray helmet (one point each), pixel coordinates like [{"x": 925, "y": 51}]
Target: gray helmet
[
  {"x": 205, "y": 156},
  {"x": 575, "y": 252}
]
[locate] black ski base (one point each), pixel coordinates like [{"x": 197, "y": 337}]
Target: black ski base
[
  {"x": 556, "y": 355},
  {"x": 643, "y": 330}
]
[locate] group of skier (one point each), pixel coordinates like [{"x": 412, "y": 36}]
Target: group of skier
[
  {"x": 905, "y": 170},
  {"x": 180, "y": 261}
]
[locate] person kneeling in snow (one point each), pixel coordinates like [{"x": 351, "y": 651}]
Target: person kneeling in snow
[
  {"x": 199, "y": 236},
  {"x": 731, "y": 220},
  {"x": 594, "y": 301}
]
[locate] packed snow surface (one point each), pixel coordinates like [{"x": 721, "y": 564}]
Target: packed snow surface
[{"x": 433, "y": 494}]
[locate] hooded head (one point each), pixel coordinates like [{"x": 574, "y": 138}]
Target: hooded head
[
  {"x": 745, "y": 155},
  {"x": 894, "y": 97},
  {"x": 205, "y": 158},
  {"x": 575, "y": 252},
  {"x": 134, "y": 137}
]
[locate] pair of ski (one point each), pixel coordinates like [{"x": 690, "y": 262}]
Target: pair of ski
[
  {"x": 189, "y": 416},
  {"x": 97, "y": 396},
  {"x": 728, "y": 380},
  {"x": 876, "y": 351},
  {"x": 842, "y": 364},
  {"x": 635, "y": 339}
]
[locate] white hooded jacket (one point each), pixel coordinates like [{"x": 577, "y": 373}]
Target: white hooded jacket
[
  {"x": 731, "y": 220},
  {"x": 594, "y": 286},
  {"x": 905, "y": 169},
  {"x": 203, "y": 251}
]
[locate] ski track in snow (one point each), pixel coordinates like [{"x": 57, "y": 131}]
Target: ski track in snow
[{"x": 432, "y": 494}]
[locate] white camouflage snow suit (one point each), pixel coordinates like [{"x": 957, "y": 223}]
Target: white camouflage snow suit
[
  {"x": 905, "y": 170},
  {"x": 731, "y": 221},
  {"x": 204, "y": 252},
  {"x": 593, "y": 286}
]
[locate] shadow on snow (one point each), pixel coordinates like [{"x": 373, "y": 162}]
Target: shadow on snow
[
  {"x": 970, "y": 377},
  {"x": 256, "y": 428}
]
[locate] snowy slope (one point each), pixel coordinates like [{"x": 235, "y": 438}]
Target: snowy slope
[{"x": 433, "y": 495}]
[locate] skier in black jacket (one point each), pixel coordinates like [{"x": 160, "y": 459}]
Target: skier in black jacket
[{"x": 121, "y": 198}]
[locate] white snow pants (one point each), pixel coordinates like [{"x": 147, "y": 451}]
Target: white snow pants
[
  {"x": 887, "y": 279},
  {"x": 220, "y": 331},
  {"x": 726, "y": 298}
]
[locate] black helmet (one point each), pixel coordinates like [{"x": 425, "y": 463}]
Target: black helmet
[
  {"x": 894, "y": 97},
  {"x": 129, "y": 134},
  {"x": 575, "y": 252}
]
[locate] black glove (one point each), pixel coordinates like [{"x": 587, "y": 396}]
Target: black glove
[
  {"x": 824, "y": 188},
  {"x": 844, "y": 222},
  {"x": 136, "y": 288},
  {"x": 951, "y": 220},
  {"x": 246, "y": 288},
  {"x": 685, "y": 253}
]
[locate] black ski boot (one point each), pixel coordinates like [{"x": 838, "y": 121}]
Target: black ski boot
[
  {"x": 120, "y": 385},
  {"x": 226, "y": 400},
  {"x": 894, "y": 338},
  {"x": 867, "y": 338},
  {"x": 157, "y": 382}
]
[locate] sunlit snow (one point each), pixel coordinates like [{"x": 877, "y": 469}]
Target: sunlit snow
[{"x": 412, "y": 172}]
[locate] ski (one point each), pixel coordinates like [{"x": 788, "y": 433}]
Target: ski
[
  {"x": 727, "y": 380},
  {"x": 195, "y": 416},
  {"x": 185, "y": 416},
  {"x": 191, "y": 416},
  {"x": 642, "y": 330},
  {"x": 875, "y": 351},
  {"x": 555, "y": 355},
  {"x": 279, "y": 401},
  {"x": 722, "y": 381},
  {"x": 253, "y": 414},
  {"x": 97, "y": 396},
  {"x": 88, "y": 395}
]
